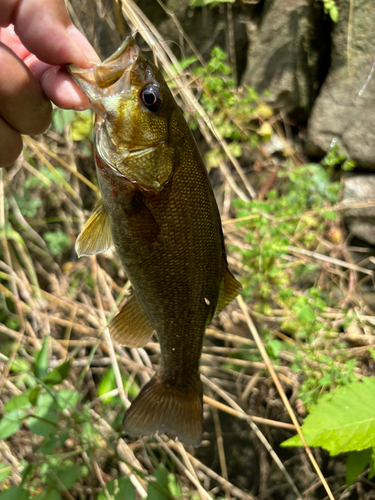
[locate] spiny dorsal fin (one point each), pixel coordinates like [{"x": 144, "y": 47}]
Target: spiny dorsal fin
[
  {"x": 229, "y": 290},
  {"x": 167, "y": 409},
  {"x": 130, "y": 326},
  {"x": 96, "y": 236}
]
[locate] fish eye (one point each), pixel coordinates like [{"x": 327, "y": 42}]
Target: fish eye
[{"x": 151, "y": 97}]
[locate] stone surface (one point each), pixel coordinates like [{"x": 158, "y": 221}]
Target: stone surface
[
  {"x": 288, "y": 53},
  {"x": 360, "y": 221},
  {"x": 339, "y": 112}
]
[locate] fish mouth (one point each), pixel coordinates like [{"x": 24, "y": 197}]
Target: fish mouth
[{"x": 108, "y": 78}]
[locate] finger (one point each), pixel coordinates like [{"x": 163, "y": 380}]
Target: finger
[
  {"x": 23, "y": 104},
  {"x": 10, "y": 144},
  {"x": 57, "y": 84},
  {"x": 45, "y": 29},
  {"x": 59, "y": 87}
]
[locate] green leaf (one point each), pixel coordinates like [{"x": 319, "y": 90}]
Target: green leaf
[
  {"x": 57, "y": 241},
  {"x": 334, "y": 13},
  {"x": 69, "y": 474},
  {"x": 20, "y": 365},
  {"x": 20, "y": 401},
  {"x": 11, "y": 422},
  {"x": 48, "y": 495},
  {"x": 67, "y": 399},
  {"x": 14, "y": 493},
  {"x": 342, "y": 421},
  {"x": 58, "y": 374},
  {"x": 159, "y": 490},
  {"x": 34, "y": 394},
  {"x": 5, "y": 470},
  {"x": 41, "y": 362},
  {"x": 126, "y": 489},
  {"x": 356, "y": 464},
  {"x": 107, "y": 384},
  {"x": 306, "y": 314},
  {"x": 119, "y": 489}
]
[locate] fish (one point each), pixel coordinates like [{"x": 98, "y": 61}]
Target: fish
[{"x": 158, "y": 209}]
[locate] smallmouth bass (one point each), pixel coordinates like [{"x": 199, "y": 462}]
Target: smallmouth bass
[{"x": 159, "y": 210}]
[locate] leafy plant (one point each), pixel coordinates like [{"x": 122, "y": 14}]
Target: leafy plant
[{"x": 344, "y": 421}]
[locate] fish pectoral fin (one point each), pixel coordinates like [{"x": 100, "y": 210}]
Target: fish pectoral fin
[
  {"x": 96, "y": 235},
  {"x": 166, "y": 409},
  {"x": 229, "y": 290},
  {"x": 130, "y": 326}
]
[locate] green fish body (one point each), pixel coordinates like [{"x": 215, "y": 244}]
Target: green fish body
[{"x": 159, "y": 210}]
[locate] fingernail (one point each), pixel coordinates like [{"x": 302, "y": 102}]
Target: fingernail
[{"x": 91, "y": 57}]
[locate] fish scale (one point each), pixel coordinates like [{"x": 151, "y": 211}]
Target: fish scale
[{"x": 159, "y": 210}]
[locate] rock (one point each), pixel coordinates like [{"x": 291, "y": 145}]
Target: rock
[
  {"x": 360, "y": 221},
  {"x": 339, "y": 111},
  {"x": 288, "y": 53}
]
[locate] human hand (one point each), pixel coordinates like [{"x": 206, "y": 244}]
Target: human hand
[{"x": 37, "y": 39}]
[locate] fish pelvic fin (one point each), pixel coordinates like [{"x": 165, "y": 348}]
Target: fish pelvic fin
[
  {"x": 96, "y": 235},
  {"x": 229, "y": 290},
  {"x": 165, "y": 409},
  {"x": 130, "y": 326}
]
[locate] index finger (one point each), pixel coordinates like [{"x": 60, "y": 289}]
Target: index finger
[{"x": 46, "y": 30}]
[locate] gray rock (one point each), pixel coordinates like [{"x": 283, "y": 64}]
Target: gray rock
[
  {"x": 289, "y": 45},
  {"x": 360, "y": 221},
  {"x": 339, "y": 112}
]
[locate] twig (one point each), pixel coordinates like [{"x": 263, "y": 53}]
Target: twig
[{"x": 243, "y": 416}]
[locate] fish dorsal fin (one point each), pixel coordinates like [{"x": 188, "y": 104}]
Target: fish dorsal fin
[
  {"x": 96, "y": 236},
  {"x": 130, "y": 326},
  {"x": 229, "y": 290}
]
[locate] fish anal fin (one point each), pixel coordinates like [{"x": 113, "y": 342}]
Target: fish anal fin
[
  {"x": 96, "y": 235},
  {"x": 165, "y": 409},
  {"x": 130, "y": 326},
  {"x": 229, "y": 290}
]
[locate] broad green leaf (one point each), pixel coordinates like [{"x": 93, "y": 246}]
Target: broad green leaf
[
  {"x": 119, "y": 489},
  {"x": 11, "y": 422},
  {"x": 126, "y": 489},
  {"x": 356, "y": 464},
  {"x": 14, "y": 493},
  {"x": 158, "y": 490},
  {"x": 41, "y": 362},
  {"x": 5, "y": 470},
  {"x": 68, "y": 474},
  {"x": 20, "y": 401},
  {"x": 342, "y": 421},
  {"x": 67, "y": 398},
  {"x": 58, "y": 374}
]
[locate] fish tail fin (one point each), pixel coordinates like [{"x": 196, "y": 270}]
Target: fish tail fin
[{"x": 162, "y": 408}]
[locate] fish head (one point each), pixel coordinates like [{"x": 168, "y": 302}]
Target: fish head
[{"x": 135, "y": 116}]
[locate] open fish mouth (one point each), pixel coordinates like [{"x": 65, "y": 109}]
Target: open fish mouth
[{"x": 110, "y": 77}]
